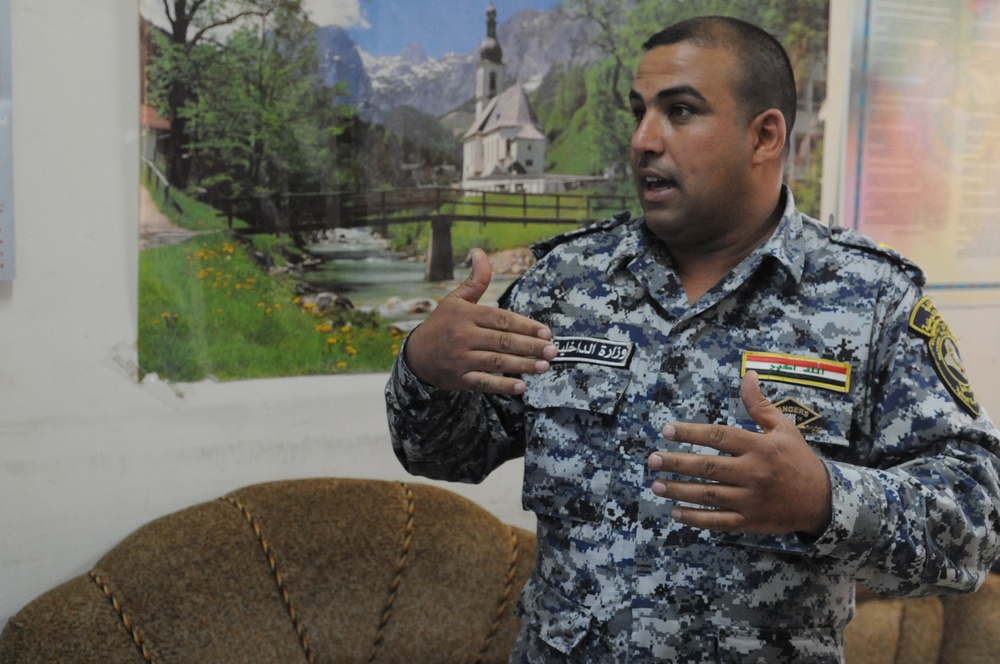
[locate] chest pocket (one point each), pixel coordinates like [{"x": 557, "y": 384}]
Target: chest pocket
[
  {"x": 822, "y": 416},
  {"x": 572, "y": 451}
]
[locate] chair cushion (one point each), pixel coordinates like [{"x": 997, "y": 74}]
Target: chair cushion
[
  {"x": 972, "y": 625},
  {"x": 894, "y": 631},
  {"x": 338, "y": 570}
]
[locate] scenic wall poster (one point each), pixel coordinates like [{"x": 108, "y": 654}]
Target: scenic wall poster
[{"x": 315, "y": 172}]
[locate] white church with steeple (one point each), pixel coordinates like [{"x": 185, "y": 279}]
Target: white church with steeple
[{"x": 503, "y": 150}]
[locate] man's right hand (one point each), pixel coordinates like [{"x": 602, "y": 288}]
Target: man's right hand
[{"x": 464, "y": 345}]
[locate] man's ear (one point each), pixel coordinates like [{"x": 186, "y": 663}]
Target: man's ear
[{"x": 768, "y": 131}]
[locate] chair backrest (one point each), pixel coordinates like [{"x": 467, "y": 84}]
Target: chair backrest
[{"x": 331, "y": 570}]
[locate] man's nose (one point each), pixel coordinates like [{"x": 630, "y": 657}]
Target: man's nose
[{"x": 648, "y": 136}]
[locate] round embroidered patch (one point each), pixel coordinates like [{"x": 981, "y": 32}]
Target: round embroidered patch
[{"x": 928, "y": 323}]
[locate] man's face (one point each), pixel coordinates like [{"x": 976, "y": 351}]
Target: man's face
[{"x": 692, "y": 146}]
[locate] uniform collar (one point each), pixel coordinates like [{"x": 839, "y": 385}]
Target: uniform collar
[
  {"x": 641, "y": 253},
  {"x": 786, "y": 244}
]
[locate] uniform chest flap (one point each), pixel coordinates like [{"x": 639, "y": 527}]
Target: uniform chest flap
[
  {"x": 578, "y": 386},
  {"x": 571, "y": 455}
]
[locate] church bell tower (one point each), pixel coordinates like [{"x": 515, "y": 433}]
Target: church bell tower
[{"x": 490, "y": 71}]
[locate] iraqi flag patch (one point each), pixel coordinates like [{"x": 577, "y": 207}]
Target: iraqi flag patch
[{"x": 797, "y": 369}]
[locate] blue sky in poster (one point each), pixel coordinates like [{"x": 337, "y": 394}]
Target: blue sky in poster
[
  {"x": 439, "y": 26},
  {"x": 386, "y": 27}
]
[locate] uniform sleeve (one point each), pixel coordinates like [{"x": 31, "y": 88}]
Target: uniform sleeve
[
  {"x": 450, "y": 435},
  {"x": 922, "y": 514}
]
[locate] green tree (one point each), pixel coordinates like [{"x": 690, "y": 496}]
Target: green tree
[
  {"x": 608, "y": 16},
  {"x": 611, "y": 123},
  {"x": 261, "y": 122},
  {"x": 175, "y": 78}
]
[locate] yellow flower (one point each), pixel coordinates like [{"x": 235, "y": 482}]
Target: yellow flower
[{"x": 324, "y": 327}]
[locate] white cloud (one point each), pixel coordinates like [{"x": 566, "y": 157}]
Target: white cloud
[{"x": 344, "y": 13}]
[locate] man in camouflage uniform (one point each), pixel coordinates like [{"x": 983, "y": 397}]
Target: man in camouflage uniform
[{"x": 729, "y": 413}]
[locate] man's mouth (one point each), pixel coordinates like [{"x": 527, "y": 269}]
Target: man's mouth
[{"x": 657, "y": 183}]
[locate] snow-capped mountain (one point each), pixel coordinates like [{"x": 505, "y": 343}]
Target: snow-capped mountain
[
  {"x": 432, "y": 86},
  {"x": 533, "y": 42}
]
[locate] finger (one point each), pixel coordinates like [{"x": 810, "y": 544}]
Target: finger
[
  {"x": 728, "y": 440},
  {"x": 707, "y": 467},
  {"x": 708, "y": 506},
  {"x": 707, "y": 494},
  {"x": 719, "y": 520},
  {"x": 759, "y": 407},
  {"x": 509, "y": 332},
  {"x": 506, "y": 363},
  {"x": 478, "y": 381},
  {"x": 475, "y": 285}
]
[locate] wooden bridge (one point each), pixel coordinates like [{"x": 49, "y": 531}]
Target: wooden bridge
[{"x": 296, "y": 213}]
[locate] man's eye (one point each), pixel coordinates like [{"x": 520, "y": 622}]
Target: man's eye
[
  {"x": 680, "y": 111},
  {"x": 638, "y": 114}
]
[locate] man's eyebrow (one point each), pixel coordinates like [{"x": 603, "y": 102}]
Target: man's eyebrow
[{"x": 667, "y": 93}]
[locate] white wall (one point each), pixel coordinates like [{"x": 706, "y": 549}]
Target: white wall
[{"x": 86, "y": 454}]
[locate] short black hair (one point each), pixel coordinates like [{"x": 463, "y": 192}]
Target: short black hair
[{"x": 766, "y": 77}]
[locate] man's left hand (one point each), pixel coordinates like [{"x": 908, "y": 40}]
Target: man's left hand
[{"x": 770, "y": 482}]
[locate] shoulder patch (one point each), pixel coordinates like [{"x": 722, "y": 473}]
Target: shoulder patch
[
  {"x": 854, "y": 240},
  {"x": 928, "y": 323},
  {"x": 539, "y": 249}
]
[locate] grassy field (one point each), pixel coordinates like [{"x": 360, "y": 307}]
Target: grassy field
[{"x": 206, "y": 308}]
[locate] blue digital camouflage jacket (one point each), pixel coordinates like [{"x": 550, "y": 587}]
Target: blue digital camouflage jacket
[{"x": 846, "y": 344}]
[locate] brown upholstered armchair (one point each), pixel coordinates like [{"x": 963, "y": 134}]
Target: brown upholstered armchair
[
  {"x": 325, "y": 570},
  {"x": 330, "y": 570}
]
